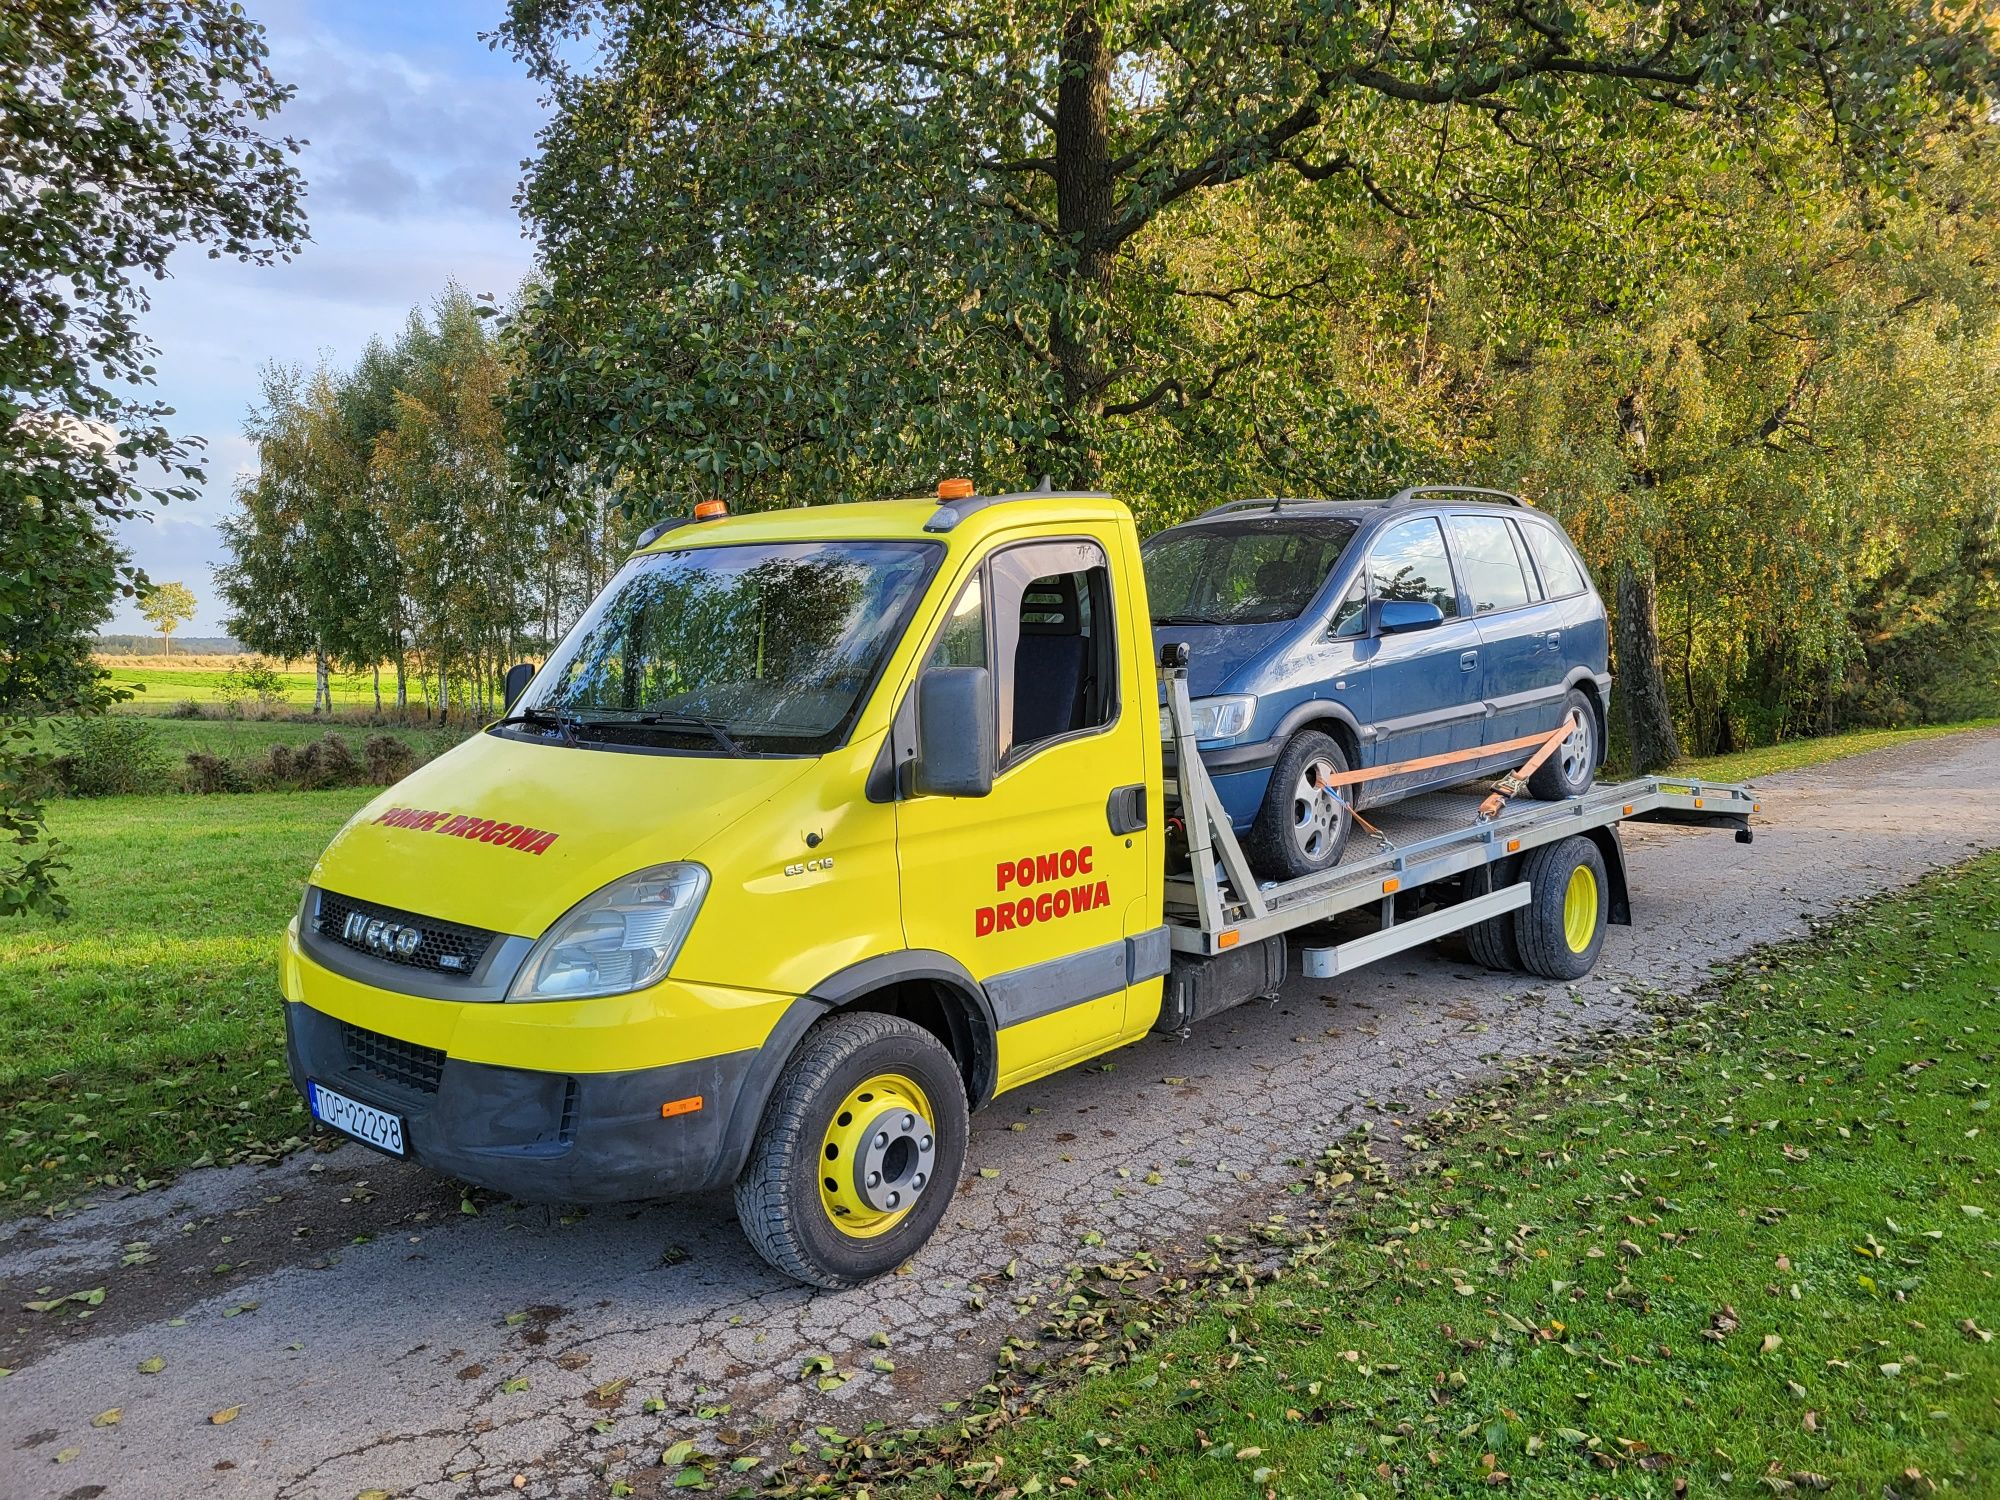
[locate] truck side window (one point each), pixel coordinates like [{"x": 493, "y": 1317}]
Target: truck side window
[
  {"x": 962, "y": 642},
  {"x": 1057, "y": 664},
  {"x": 1408, "y": 562}
]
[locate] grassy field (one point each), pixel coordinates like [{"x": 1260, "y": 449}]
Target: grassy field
[
  {"x": 160, "y": 682},
  {"x": 144, "y": 1034},
  {"x": 1752, "y": 1254},
  {"x": 236, "y": 738}
]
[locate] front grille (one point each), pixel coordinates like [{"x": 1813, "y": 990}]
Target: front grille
[
  {"x": 397, "y": 1062},
  {"x": 442, "y": 947}
]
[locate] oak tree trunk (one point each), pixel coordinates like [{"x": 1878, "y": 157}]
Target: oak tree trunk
[{"x": 1642, "y": 680}]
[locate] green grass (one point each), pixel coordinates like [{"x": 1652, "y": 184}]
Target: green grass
[
  {"x": 236, "y": 739},
  {"x": 144, "y": 1034},
  {"x": 1744, "y": 765},
  {"x": 159, "y": 688},
  {"x": 1754, "y": 1253}
]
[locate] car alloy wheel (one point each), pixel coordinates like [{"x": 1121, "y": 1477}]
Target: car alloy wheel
[
  {"x": 1574, "y": 753},
  {"x": 1319, "y": 813}
]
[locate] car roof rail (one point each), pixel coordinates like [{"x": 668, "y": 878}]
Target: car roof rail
[
  {"x": 1412, "y": 494},
  {"x": 1272, "y": 503},
  {"x": 950, "y": 512}
]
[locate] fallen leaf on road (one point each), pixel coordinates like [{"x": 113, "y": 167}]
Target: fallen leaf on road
[
  {"x": 152, "y": 1366},
  {"x": 226, "y": 1415},
  {"x": 109, "y": 1418}
]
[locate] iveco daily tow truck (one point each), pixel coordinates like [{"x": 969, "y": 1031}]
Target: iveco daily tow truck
[{"x": 822, "y": 828}]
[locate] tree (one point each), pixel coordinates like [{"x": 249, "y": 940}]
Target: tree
[
  {"x": 127, "y": 128},
  {"x": 844, "y": 246},
  {"x": 168, "y": 606}
]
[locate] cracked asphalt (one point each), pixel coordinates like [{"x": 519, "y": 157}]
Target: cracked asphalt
[{"x": 371, "y": 1336}]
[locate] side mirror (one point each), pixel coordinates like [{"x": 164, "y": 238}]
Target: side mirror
[
  {"x": 954, "y": 733},
  {"x": 1394, "y": 616},
  {"x": 516, "y": 683}
]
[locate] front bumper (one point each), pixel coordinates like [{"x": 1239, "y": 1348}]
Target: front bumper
[{"x": 549, "y": 1136}]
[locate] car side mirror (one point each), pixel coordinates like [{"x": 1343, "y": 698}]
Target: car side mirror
[
  {"x": 954, "y": 733},
  {"x": 1394, "y": 616},
  {"x": 516, "y": 683}
]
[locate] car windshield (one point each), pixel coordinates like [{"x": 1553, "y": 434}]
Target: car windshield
[
  {"x": 766, "y": 648},
  {"x": 1255, "y": 570}
]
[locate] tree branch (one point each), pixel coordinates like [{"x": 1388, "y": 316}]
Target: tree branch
[{"x": 1172, "y": 386}]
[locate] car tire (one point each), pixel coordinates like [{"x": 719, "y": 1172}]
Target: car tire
[
  {"x": 1561, "y": 930},
  {"x": 1296, "y": 832},
  {"x": 1573, "y": 767},
  {"x": 800, "y": 1197}
]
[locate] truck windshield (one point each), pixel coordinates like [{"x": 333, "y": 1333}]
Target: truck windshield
[
  {"x": 765, "y": 648},
  {"x": 1252, "y": 571}
]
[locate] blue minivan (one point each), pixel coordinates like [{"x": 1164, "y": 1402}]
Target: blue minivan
[{"x": 1327, "y": 636}]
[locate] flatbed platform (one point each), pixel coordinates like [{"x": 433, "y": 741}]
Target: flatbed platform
[{"x": 1428, "y": 841}]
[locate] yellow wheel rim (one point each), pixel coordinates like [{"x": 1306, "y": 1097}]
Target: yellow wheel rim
[
  {"x": 1580, "y": 908},
  {"x": 877, "y": 1155}
]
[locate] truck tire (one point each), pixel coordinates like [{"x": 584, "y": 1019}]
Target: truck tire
[
  {"x": 858, "y": 1152},
  {"x": 1570, "y": 771},
  {"x": 1561, "y": 929},
  {"x": 1301, "y": 830},
  {"x": 1491, "y": 944}
]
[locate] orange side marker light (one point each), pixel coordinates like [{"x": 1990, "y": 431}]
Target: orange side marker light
[
  {"x": 1228, "y": 939},
  {"x": 685, "y": 1106},
  {"x": 1391, "y": 886},
  {"x": 1513, "y": 845}
]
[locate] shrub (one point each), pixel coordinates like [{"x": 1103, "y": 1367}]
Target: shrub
[
  {"x": 207, "y": 773},
  {"x": 186, "y": 708},
  {"x": 109, "y": 755},
  {"x": 389, "y": 758},
  {"x": 254, "y": 690},
  {"x": 317, "y": 764}
]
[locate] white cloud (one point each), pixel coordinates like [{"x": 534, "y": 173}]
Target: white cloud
[{"x": 415, "y": 132}]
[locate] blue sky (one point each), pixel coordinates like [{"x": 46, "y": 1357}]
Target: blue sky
[{"x": 416, "y": 132}]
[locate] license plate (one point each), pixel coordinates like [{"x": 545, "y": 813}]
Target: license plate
[{"x": 364, "y": 1122}]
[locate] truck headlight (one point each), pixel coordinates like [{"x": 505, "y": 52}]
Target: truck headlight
[
  {"x": 621, "y": 939},
  {"x": 1214, "y": 718}
]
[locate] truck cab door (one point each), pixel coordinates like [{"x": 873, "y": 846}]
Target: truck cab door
[{"x": 1031, "y": 886}]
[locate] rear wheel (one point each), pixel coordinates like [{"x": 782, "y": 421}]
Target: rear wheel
[
  {"x": 1570, "y": 771},
  {"x": 1302, "y": 827},
  {"x": 858, "y": 1151},
  {"x": 1561, "y": 930}
]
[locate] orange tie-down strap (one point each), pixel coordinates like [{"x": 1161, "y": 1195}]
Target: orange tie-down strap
[{"x": 1547, "y": 743}]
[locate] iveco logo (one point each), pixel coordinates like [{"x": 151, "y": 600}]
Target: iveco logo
[{"x": 390, "y": 939}]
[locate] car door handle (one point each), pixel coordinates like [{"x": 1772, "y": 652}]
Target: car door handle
[
  {"x": 1468, "y": 660},
  {"x": 1555, "y": 640}
]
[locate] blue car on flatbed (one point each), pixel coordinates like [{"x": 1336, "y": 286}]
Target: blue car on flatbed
[{"x": 1329, "y": 636}]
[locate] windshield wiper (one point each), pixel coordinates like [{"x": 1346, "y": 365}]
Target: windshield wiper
[
  {"x": 1189, "y": 620},
  {"x": 717, "y": 729},
  {"x": 545, "y": 718}
]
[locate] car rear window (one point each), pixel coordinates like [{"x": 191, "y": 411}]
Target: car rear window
[
  {"x": 1255, "y": 570},
  {"x": 1553, "y": 560}
]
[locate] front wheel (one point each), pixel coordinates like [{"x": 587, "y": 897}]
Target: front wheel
[
  {"x": 858, "y": 1151},
  {"x": 1303, "y": 825},
  {"x": 1570, "y": 771}
]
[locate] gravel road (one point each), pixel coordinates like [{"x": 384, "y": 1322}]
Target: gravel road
[{"x": 371, "y": 1336}]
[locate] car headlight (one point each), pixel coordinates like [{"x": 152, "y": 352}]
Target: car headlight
[
  {"x": 621, "y": 939},
  {"x": 1214, "y": 718}
]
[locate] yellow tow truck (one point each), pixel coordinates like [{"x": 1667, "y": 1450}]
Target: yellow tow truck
[{"x": 822, "y": 828}]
